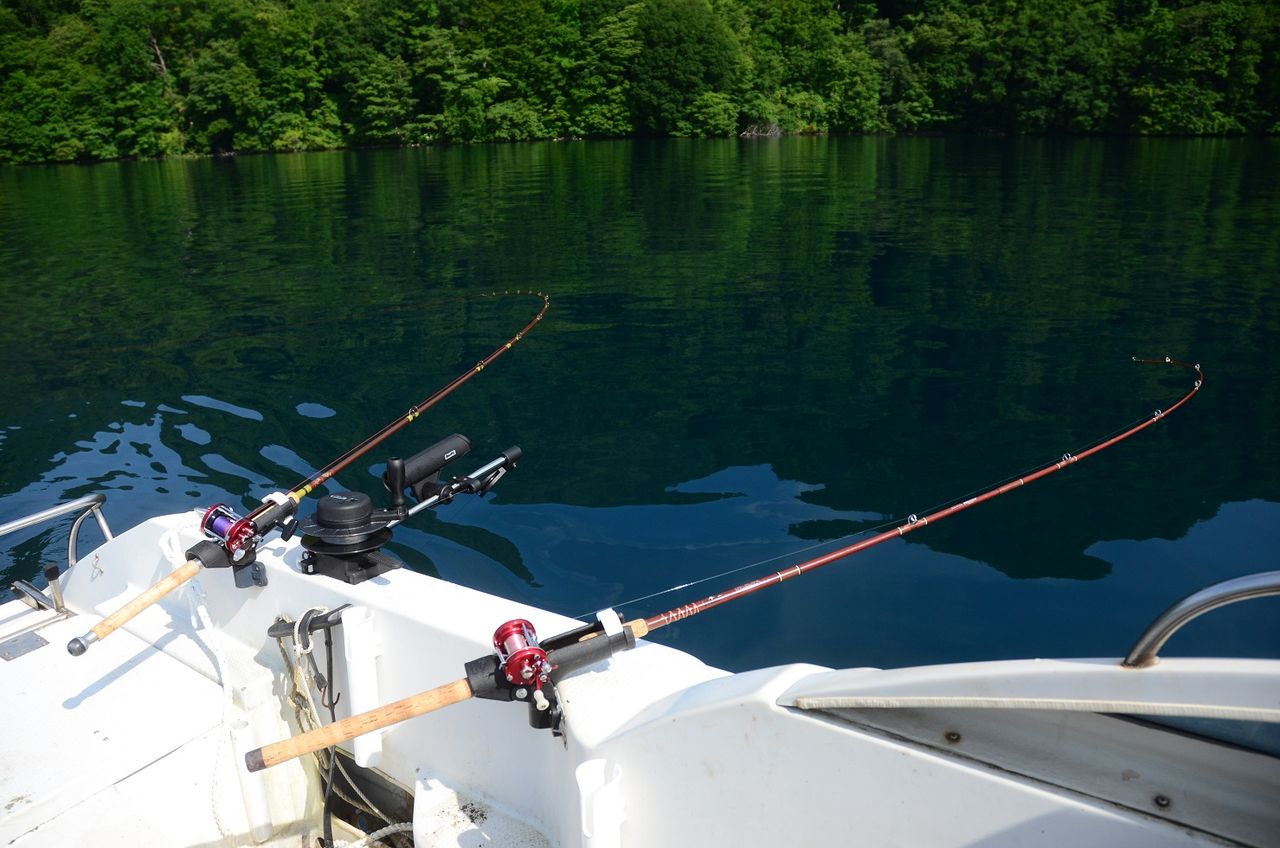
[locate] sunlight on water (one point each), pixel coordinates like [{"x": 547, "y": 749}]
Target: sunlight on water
[
  {"x": 223, "y": 406},
  {"x": 315, "y": 410}
]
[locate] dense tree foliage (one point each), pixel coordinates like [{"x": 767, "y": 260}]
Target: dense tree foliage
[{"x": 99, "y": 79}]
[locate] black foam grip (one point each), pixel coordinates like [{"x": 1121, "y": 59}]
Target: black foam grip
[
  {"x": 424, "y": 465},
  {"x": 576, "y": 655},
  {"x": 483, "y": 678}
]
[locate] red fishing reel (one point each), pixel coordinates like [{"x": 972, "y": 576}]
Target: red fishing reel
[
  {"x": 235, "y": 533},
  {"x": 520, "y": 660},
  {"x": 522, "y": 669}
]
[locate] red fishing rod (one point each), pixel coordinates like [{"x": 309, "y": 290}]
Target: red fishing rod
[
  {"x": 914, "y": 523},
  {"x": 233, "y": 541},
  {"x": 522, "y": 669}
]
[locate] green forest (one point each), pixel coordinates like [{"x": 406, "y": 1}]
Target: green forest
[{"x": 107, "y": 79}]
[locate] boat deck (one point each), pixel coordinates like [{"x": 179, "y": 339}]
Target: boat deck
[{"x": 133, "y": 737}]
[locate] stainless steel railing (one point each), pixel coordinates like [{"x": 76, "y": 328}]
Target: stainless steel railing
[
  {"x": 87, "y": 505},
  {"x": 1143, "y": 652}
]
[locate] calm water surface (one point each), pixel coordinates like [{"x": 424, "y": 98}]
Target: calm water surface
[{"x": 754, "y": 350}]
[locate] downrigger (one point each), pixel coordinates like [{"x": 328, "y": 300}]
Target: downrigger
[{"x": 343, "y": 538}]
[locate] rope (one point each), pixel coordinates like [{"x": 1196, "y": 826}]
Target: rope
[
  {"x": 170, "y": 546},
  {"x": 200, "y": 612},
  {"x": 303, "y": 682},
  {"x": 365, "y": 842}
]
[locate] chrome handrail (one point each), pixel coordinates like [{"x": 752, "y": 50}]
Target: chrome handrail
[
  {"x": 87, "y": 504},
  {"x": 1143, "y": 652}
]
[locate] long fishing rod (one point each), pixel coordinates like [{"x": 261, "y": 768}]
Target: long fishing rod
[
  {"x": 520, "y": 666},
  {"x": 233, "y": 541},
  {"x": 309, "y": 485},
  {"x": 914, "y": 523}
]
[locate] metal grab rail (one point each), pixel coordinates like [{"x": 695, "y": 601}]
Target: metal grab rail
[
  {"x": 86, "y": 505},
  {"x": 1143, "y": 652}
]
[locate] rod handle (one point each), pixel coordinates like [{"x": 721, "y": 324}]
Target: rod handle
[
  {"x": 120, "y": 617},
  {"x": 638, "y": 626},
  {"x": 358, "y": 725}
]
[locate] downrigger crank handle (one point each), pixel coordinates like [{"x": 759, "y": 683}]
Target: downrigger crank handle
[{"x": 519, "y": 669}]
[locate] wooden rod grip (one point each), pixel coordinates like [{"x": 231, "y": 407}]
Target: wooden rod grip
[
  {"x": 120, "y": 617},
  {"x": 638, "y": 626},
  {"x": 358, "y": 725}
]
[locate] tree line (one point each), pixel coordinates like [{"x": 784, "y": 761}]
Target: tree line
[{"x": 84, "y": 80}]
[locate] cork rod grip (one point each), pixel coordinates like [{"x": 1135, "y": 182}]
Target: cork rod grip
[
  {"x": 358, "y": 725},
  {"x": 120, "y": 617}
]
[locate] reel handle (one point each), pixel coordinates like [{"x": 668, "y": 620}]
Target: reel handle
[{"x": 394, "y": 478}]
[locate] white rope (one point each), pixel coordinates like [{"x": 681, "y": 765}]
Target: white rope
[
  {"x": 371, "y": 838},
  {"x": 369, "y": 807},
  {"x": 297, "y": 633},
  {"x": 304, "y": 683},
  {"x": 200, "y": 613},
  {"x": 172, "y": 548}
]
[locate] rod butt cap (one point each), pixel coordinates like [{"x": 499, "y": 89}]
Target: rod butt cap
[{"x": 77, "y": 646}]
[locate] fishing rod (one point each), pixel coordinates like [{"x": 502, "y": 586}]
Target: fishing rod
[
  {"x": 522, "y": 669},
  {"x": 232, "y": 540}
]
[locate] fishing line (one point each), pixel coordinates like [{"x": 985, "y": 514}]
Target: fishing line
[
  {"x": 886, "y": 522},
  {"x": 914, "y": 522},
  {"x": 951, "y": 505}
]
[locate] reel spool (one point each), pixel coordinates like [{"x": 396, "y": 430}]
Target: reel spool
[
  {"x": 520, "y": 658},
  {"x": 236, "y": 534}
]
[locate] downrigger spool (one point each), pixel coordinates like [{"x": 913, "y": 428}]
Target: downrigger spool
[{"x": 344, "y": 537}]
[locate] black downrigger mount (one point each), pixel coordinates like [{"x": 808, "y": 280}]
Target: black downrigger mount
[{"x": 344, "y": 537}]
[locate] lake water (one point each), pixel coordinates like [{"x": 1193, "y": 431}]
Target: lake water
[{"x": 754, "y": 349}]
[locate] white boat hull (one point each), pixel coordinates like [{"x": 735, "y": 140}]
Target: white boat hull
[{"x": 139, "y": 742}]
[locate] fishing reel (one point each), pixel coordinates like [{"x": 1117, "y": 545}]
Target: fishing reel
[
  {"x": 520, "y": 659},
  {"x": 523, "y": 669},
  {"x": 232, "y": 541},
  {"x": 343, "y": 538},
  {"x": 236, "y": 534}
]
